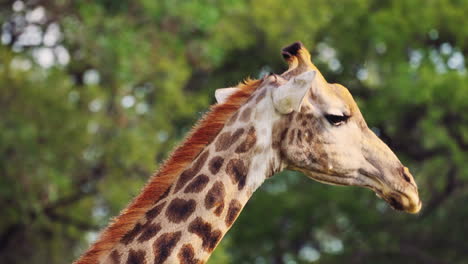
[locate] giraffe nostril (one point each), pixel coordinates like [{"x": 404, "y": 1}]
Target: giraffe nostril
[{"x": 406, "y": 177}]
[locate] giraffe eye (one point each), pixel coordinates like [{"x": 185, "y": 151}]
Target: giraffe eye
[{"x": 337, "y": 120}]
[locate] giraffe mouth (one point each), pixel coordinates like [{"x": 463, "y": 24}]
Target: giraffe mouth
[{"x": 331, "y": 178}]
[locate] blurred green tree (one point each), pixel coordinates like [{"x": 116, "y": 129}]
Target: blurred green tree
[{"x": 94, "y": 94}]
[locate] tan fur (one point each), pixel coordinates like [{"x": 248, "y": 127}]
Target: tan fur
[{"x": 201, "y": 135}]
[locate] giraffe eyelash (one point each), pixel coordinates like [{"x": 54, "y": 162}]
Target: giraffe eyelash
[{"x": 337, "y": 120}]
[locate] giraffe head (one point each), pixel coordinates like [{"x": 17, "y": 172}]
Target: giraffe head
[
  {"x": 326, "y": 137},
  {"x": 320, "y": 131}
]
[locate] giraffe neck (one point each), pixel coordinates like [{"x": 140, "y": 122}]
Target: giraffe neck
[{"x": 188, "y": 222}]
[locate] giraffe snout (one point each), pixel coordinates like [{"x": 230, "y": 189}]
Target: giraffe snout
[{"x": 404, "y": 195}]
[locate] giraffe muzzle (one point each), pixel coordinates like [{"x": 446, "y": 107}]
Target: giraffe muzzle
[
  {"x": 402, "y": 199},
  {"x": 404, "y": 202}
]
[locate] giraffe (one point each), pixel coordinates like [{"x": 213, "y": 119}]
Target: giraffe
[{"x": 295, "y": 120}]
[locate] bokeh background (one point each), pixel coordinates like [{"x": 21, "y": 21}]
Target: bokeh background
[{"x": 95, "y": 94}]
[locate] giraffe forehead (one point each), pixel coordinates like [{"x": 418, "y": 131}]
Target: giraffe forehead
[
  {"x": 333, "y": 99},
  {"x": 344, "y": 94},
  {"x": 328, "y": 96}
]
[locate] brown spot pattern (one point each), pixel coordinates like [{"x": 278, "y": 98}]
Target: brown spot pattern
[
  {"x": 215, "y": 164},
  {"x": 188, "y": 174},
  {"x": 164, "y": 245},
  {"x": 215, "y": 197},
  {"x": 299, "y": 117},
  {"x": 179, "y": 209},
  {"x": 233, "y": 211},
  {"x": 237, "y": 171},
  {"x": 225, "y": 140},
  {"x": 219, "y": 210},
  {"x": 283, "y": 134},
  {"x": 232, "y": 119},
  {"x": 312, "y": 158},
  {"x": 197, "y": 185},
  {"x": 277, "y": 143},
  {"x": 308, "y": 116},
  {"x": 115, "y": 257},
  {"x": 136, "y": 257},
  {"x": 299, "y": 136},
  {"x": 245, "y": 116},
  {"x": 249, "y": 141},
  {"x": 149, "y": 231},
  {"x": 154, "y": 212},
  {"x": 210, "y": 238},
  {"x": 130, "y": 235},
  {"x": 187, "y": 255}
]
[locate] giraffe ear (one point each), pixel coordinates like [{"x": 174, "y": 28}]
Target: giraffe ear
[
  {"x": 223, "y": 94},
  {"x": 289, "y": 96}
]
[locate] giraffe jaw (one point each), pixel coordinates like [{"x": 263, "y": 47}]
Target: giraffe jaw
[{"x": 398, "y": 197}]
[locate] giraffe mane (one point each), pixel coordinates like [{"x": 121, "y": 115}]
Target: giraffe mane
[{"x": 201, "y": 134}]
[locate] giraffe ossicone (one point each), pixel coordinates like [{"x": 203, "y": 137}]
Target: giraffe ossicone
[{"x": 294, "y": 120}]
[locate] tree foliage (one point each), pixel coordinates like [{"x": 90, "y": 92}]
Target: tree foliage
[{"x": 94, "y": 94}]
